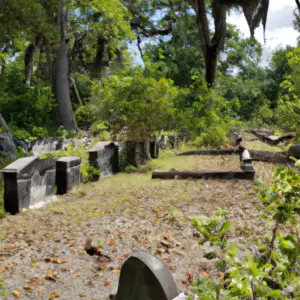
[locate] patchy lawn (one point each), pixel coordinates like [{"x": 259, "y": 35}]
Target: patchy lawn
[{"x": 125, "y": 213}]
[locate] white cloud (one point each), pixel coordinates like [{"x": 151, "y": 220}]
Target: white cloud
[{"x": 279, "y": 30}]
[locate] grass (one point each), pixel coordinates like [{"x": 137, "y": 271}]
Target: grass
[{"x": 136, "y": 212}]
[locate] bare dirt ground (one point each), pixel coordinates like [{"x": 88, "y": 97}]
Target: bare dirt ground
[{"x": 42, "y": 251}]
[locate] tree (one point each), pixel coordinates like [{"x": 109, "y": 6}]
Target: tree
[{"x": 255, "y": 12}]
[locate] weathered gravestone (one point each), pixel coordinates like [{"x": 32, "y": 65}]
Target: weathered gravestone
[
  {"x": 144, "y": 277},
  {"x": 67, "y": 174},
  {"x": 105, "y": 157},
  {"x": 154, "y": 149},
  {"x": 28, "y": 182},
  {"x": 294, "y": 151},
  {"x": 137, "y": 153}
]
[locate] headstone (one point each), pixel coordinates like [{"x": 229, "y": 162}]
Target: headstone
[
  {"x": 28, "y": 183},
  {"x": 137, "y": 153},
  {"x": 105, "y": 157},
  {"x": 294, "y": 151},
  {"x": 67, "y": 174},
  {"x": 144, "y": 277},
  {"x": 154, "y": 149},
  {"x": 246, "y": 161}
]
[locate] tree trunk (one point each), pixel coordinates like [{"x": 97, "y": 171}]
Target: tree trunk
[
  {"x": 62, "y": 92},
  {"x": 29, "y": 56},
  {"x": 211, "y": 59}
]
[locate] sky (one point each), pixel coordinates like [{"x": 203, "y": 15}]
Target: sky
[{"x": 279, "y": 30}]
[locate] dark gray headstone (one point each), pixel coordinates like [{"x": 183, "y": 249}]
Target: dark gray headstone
[
  {"x": 154, "y": 149},
  {"x": 28, "y": 182},
  {"x": 67, "y": 174},
  {"x": 137, "y": 153},
  {"x": 105, "y": 157},
  {"x": 144, "y": 277},
  {"x": 294, "y": 151}
]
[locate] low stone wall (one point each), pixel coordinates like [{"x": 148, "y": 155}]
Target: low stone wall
[{"x": 28, "y": 183}]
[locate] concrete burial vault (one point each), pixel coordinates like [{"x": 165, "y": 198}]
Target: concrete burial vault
[
  {"x": 29, "y": 182},
  {"x": 105, "y": 157},
  {"x": 247, "y": 170}
]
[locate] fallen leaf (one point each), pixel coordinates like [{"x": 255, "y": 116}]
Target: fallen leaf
[
  {"x": 52, "y": 276},
  {"x": 2, "y": 270},
  {"x": 40, "y": 293},
  {"x": 48, "y": 259},
  {"x": 64, "y": 270},
  {"x": 100, "y": 274},
  {"x": 160, "y": 250},
  {"x": 17, "y": 293},
  {"x": 107, "y": 282},
  {"x": 168, "y": 236},
  {"x": 166, "y": 243},
  {"x": 168, "y": 260},
  {"x": 160, "y": 213},
  {"x": 118, "y": 271},
  {"x": 65, "y": 261},
  {"x": 204, "y": 274},
  {"x": 57, "y": 261},
  {"x": 78, "y": 274},
  {"x": 35, "y": 265},
  {"x": 72, "y": 251},
  {"x": 190, "y": 276},
  {"x": 102, "y": 266},
  {"x": 28, "y": 288},
  {"x": 54, "y": 295},
  {"x": 114, "y": 250},
  {"x": 112, "y": 242}
]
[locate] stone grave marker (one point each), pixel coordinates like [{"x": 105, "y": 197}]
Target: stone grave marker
[
  {"x": 67, "y": 174},
  {"x": 154, "y": 149},
  {"x": 105, "y": 157},
  {"x": 28, "y": 183},
  {"x": 294, "y": 151},
  {"x": 144, "y": 277}
]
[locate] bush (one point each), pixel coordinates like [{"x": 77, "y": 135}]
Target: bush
[
  {"x": 274, "y": 271},
  {"x": 83, "y": 116},
  {"x": 212, "y": 137},
  {"x": 105, "y": 136}
]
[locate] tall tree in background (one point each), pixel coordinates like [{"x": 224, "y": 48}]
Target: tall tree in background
[
  {"x": 61, "y": 86},
  {"x": 255, "y": 12}
]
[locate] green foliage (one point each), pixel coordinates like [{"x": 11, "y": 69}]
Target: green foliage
[
  {"x": 213, "y": 229},
  {"x": 142, "y": 104},
  {"x": 88, "y": 172},
  {"x": 83, "y": 116},
  {"x": 98, "y": 127},
  {"x": 276, "y": 270},
  {"x": 105, "y": 136},
  {"x": 130, "y": 169}
]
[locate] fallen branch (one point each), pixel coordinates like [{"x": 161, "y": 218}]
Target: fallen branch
[
  {"x": 272, "y": 140},
  {"x": 269, "y": 156}
]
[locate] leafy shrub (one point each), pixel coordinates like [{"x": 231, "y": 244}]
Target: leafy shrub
[
  {"x": 212, "y": 137},
  {"x": 105, "y": 136},
  {"x": 98, "y": 127},
  {"x": 274, "y": 273},
  {"x": 130, "y": 169},
  {"x": 39, "y": 132},
  {"x": 83, "y": 116}
]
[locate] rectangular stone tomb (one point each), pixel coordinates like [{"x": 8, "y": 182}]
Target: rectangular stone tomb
[
  {"x": 67, "y": 174},
  {"x": 247, "y": 171},
  {"x": 105, "y": 157},
  {"x": 28, "y": 183}
]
